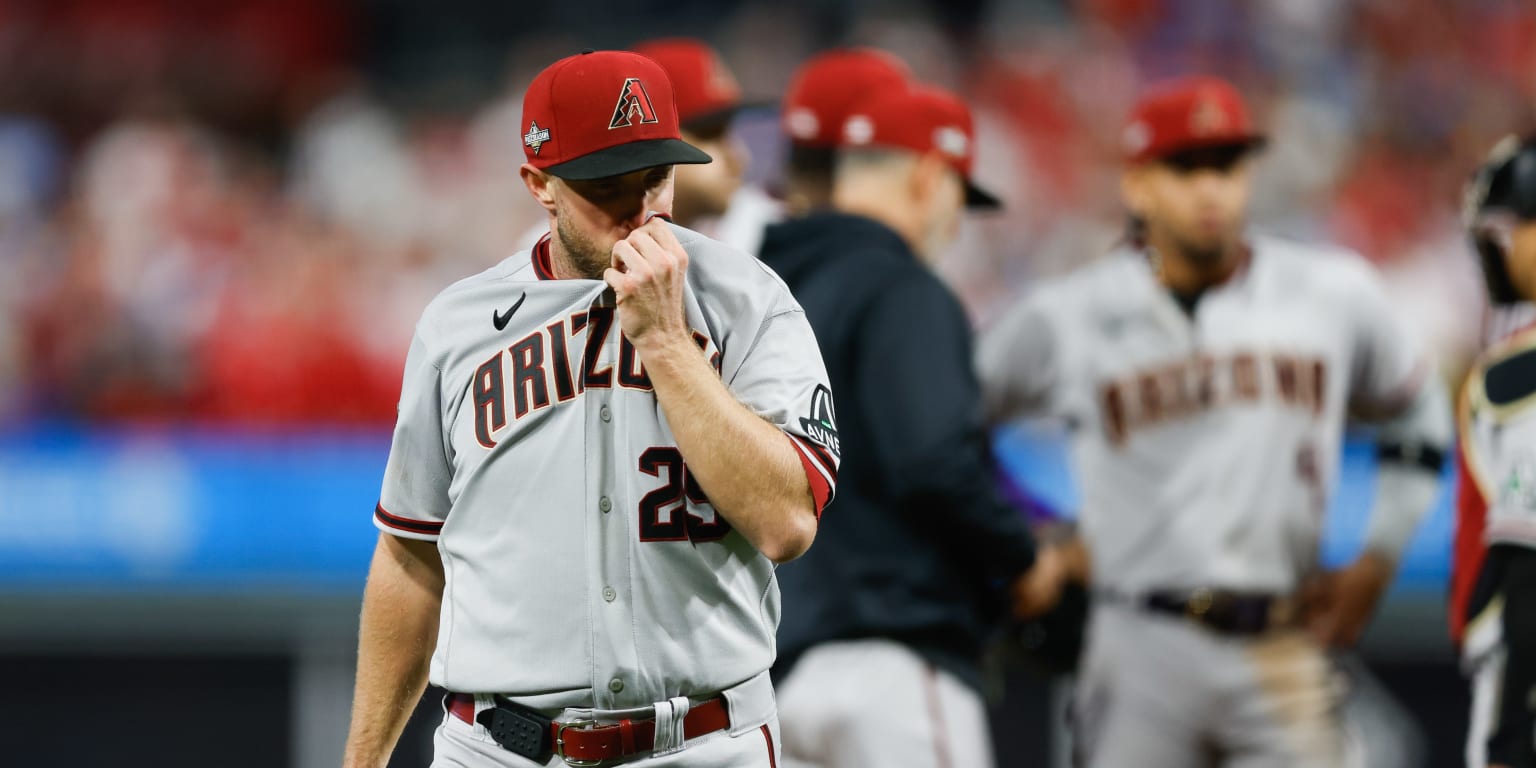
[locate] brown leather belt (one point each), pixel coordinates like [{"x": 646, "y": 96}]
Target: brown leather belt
[{"x": 591, "y": 744}]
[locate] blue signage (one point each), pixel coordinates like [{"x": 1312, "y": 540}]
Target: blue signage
[{"x": 222, "y": 509}]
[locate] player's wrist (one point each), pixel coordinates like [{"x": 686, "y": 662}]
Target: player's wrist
[
  {"x": 1379, "y": 562},
  {"x": 665, "y": 345}
]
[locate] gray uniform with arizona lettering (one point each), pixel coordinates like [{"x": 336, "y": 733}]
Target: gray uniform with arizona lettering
[
  {"x": 584, "y": 566},
  {"x": 1207, "y": 447}
]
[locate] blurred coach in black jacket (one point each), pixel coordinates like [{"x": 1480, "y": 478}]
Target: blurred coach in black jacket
[{"x": 919, "y": 558}]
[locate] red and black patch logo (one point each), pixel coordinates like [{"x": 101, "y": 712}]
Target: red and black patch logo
[{"x": 633, "y": 102}]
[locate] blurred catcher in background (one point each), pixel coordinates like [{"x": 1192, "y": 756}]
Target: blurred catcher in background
[{"x": 1493, "y": 589}]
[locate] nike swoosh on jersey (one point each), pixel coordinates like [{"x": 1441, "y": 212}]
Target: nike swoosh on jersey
[{"x": 500, "y": 320}]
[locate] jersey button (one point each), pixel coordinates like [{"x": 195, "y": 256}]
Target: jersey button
[
  {"x": 604, "y": 504},
  {"x": 615, "y": 685},
  {"x": 604, "y": 414},
  {"x": 609, "y": 594}
]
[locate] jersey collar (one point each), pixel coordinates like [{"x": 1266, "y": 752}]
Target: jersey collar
[{"x": 541, "y": 265}]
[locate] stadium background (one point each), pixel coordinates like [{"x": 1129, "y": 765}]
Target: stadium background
[{"x": 220, "y": 218}]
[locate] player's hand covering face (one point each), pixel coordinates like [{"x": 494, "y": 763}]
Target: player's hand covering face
[
  {"x": 649, "y": 271},
  {"x": 1198, "y": 199},
  {"x": 591, "y": 216}
]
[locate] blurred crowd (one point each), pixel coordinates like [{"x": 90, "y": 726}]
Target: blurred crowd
[{"x": 220, "y": 211}]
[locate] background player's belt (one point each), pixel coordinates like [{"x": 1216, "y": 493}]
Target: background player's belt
[
  {"x": 1242, "y": 614},
  {"x": 582, "y": 742}
]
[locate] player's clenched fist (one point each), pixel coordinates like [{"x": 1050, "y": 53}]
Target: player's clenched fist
[{"x": 648, "y": 272}]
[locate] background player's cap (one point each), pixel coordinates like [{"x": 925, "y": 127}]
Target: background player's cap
[
  {"x": 827, "y": 86},
  {"x": 706, "y": 92},
  {"x": 921, "y": 119},
  {"x": 600, "y": 114},
  {"x": 1188, "y": 113}
]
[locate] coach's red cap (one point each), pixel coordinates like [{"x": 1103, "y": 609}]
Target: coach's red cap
[
  {"x": 922, "y": 119},
  {"x": 600, "y": 114},
  {"x": 828, "y": 85},
  {"x": 1188, "y": 113},
  {"x": 704, "y": 88}
]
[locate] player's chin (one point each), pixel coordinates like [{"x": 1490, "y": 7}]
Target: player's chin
[{"x": 1209, "y": 245}]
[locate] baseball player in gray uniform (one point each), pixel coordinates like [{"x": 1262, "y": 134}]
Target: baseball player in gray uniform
[
  {"x": 604, "y": 445},
  {"x": 1208, "y": 375}
]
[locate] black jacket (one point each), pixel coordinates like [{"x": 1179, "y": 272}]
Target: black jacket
[{"x": 918, "y": 545}]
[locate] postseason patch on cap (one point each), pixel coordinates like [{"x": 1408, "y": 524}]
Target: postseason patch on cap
[{"x": 535, "y": 137}]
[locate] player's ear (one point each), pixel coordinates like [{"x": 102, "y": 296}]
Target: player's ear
[
  {"x": 927, "y": 177},
  {"x": 540, "y": 184}
]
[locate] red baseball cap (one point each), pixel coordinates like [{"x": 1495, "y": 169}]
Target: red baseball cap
[
  {"x": 828, "y": 85},
  {"x": 1188, "y": 113},
  {"x": 705, "y": 89},
  {"x": 921, "y": 119},
  {"x": 600, "y": 114}
]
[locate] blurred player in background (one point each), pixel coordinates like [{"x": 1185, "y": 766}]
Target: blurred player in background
[
  {"x": 884, "y": 620},
  {"x": 1493, "y": 593},
  {"x": 1208, "y": 374},
  {"x": 816, "y": 106},
  {"x": 712, "y": 198}
]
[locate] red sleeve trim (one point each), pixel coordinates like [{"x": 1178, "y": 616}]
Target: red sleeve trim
[
  {"x": 823, "y": 482},
  {"x": 406, "y": 524}
]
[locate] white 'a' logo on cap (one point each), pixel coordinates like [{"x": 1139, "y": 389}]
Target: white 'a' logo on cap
[
  {"x": 1208, "y": 118},
  {"x": 633, "y": 101}
]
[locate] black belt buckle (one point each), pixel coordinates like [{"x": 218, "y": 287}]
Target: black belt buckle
[{"x": 518, "y": 729}]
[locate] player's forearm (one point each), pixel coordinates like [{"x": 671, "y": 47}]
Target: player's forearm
[
  {"x": 397, "y": 634},
  {"x": 745, "y": 465}
]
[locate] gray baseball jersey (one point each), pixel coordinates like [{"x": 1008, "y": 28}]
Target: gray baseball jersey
[
  {"x": 1207, "y": 446},
  {"x": 584, "y": 565}
]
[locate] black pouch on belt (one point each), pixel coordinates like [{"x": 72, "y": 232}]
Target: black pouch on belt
[{"x": 518, "y": 729}]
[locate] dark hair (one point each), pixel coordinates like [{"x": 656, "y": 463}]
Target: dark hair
[
  {"x": 811, "y": 161},
  {"x": 808, "y": 178}
]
